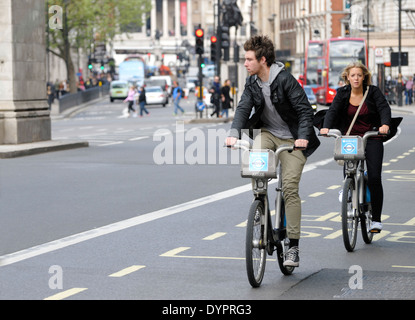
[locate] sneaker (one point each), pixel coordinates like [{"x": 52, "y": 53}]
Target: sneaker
[
  {"x": 291, "y": 257},
  {"x": 375, "y": 227}
]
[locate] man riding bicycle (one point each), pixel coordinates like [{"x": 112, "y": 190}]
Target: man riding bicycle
[{"x": 284, "y": 116}]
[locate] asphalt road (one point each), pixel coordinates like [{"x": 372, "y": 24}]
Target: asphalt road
[{"x": 108, "y": 222}]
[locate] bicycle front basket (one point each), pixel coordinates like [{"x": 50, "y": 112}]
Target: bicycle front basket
[
  {"x": 349, "y": 148},
  {"x": 258, "y": 164}
]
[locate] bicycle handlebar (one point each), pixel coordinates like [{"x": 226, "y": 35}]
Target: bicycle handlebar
[
  {"x": 240, "y": 144},
  {"x": 335, "y": 133},
  {"x": 245, "y": 145}
]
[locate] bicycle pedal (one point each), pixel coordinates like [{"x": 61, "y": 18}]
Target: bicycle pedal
[{"x": 375, "y": 231}]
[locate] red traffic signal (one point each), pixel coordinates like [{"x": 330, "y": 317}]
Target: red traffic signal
[
  {"x": 199, "y": 33},
  {"x": 199, "y": 41},
  {"x": 213, "y": 39}
]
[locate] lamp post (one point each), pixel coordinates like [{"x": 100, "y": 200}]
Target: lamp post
[{"x": 303, "y": 11}]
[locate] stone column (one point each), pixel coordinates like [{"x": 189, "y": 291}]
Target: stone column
[
  {"x": 165, "y": 22},
  {"x": 24, "y": 112},
  {"x": 189, "y": 20},
  {"x": 177, "y": 19},
  {"x": 153, "y": 15}
]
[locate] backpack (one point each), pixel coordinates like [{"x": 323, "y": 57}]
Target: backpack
[{"x": 181, "y": 92}]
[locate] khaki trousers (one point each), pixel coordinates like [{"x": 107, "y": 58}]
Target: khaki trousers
[{"x": 292, "y": 165}]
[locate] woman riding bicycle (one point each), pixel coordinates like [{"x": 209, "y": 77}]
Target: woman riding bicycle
[{"x": 375, "y": 113}]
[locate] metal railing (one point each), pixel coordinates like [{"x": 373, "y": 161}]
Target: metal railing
[{"x": 75, "y": 99}]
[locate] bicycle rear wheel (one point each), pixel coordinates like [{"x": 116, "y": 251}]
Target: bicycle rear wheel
[
  {"x": 349, "y": 215},
  {"x": 255, "y": 244}
]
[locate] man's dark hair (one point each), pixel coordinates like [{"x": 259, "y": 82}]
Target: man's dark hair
[{"x": 263, "y": 47}]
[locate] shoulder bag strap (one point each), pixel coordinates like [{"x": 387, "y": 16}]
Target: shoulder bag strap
[{"x": 357, "y": 112}]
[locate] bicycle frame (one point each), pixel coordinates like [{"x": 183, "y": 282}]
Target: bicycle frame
[{"x": 354, "y": 169}]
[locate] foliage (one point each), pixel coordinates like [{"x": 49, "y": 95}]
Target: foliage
[{"x": 90, "y": 21}]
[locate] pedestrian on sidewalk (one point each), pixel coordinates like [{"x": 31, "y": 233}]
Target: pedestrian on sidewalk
[
  {"x": 142, "y": 101},
  {"x": 409, "y": 86},
  {"x": 215, "y": 96},
  {"x": 130, "y": 100},
  {"x": 177, "y": 96},
  {"x": 226, "y": 98}
]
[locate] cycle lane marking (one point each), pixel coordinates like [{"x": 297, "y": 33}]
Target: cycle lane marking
[
  {"x": 126, "y": 271},
  {"x": 131, "y": 222},
  {"x": 65, "y": 294},
  {"x": 215, "y": 236}
]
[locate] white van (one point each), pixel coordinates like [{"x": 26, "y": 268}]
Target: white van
[{"x": 168, "y": 81}]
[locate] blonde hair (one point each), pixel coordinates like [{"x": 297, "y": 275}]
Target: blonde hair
[{"x": 357, "y": 64}]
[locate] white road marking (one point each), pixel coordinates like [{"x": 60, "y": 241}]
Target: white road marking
[{"x": 124, "y": 224}]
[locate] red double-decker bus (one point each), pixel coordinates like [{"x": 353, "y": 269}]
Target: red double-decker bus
[{"x": 325, "y": 61}]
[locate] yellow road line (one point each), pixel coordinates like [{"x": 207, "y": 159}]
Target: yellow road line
[
  {"x": 126, "y": 271},
  {"x": 333, "y": 187},
  {"x": 65, "y": 294},
  {"x": 327, "y": 216},
  {"x": 214, "y": 236},
  {"x": 316, "y": 194},
  {"x": 174, "y": 254}
]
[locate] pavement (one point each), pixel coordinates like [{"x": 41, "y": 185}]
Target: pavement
[
  {"x": 26, "y": 149},
  {"x": 374, "y": 285}
]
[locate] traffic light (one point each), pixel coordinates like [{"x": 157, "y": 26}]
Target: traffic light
[
  {"x": 199, "y": 41},
  {"x": 90, "y": 66},
  {"x": 224, "y": 37},
  {"x": 225, "y": 41},
  {"x": 102, "y": 65},
  {"x": 213, "y": 47}
]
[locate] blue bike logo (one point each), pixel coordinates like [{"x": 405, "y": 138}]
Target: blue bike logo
[
  {"x": 349, "y": 146},
  {"x": 258, "y": 161}
]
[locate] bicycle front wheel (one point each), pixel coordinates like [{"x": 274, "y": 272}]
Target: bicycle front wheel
[
  {"x": 255, "y": 244},
  {"x": 349, "y": 215}
]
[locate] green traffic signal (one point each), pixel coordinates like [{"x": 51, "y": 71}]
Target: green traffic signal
[
  {"x": 90, "y": 67},
  {"x": 202, "y": 65}
]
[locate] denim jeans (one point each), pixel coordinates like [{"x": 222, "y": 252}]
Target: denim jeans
[
  {"x": 143, "y": 108},
  {"x": 177, "y": 107}
]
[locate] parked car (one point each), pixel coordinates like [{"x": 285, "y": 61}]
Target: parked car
[
  {"x": 168, "y": 80},
  {"x": 311, "y": 97},
  {"x": 156, "y": 95},
  {"x": 118, "y": 90}
]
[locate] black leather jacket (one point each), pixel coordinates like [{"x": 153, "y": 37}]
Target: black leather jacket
[
  {"x": 288, "y": 98},
  {"x": 379, "y": 109}
]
